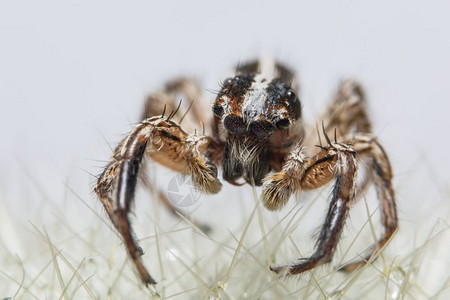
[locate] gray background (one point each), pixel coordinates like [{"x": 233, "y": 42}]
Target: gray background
[{"x": 73, "y": 76}]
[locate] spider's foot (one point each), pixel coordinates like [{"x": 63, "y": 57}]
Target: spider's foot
[
  {"x": 306, "y": 264},
  {"x": 146, "y": 278},
  {"x": 277, "y": 269},
  {"x": 149, "y": 281},
  {"x": 285, "y": 271}
]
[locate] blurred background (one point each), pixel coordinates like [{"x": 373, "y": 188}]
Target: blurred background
[{"x": 74, "y": 75}]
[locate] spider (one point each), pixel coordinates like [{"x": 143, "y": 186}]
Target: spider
[{"x": 257, "y": 136}]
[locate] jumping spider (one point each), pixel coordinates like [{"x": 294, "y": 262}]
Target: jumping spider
[{"x": 256, "y": 130}]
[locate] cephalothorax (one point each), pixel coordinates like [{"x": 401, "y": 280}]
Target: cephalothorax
[{"x": 256, "y": 135}]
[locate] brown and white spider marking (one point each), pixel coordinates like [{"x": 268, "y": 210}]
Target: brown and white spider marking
[{"x": 257, "y": 135}]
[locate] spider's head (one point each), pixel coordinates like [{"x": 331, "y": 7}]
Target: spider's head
[{"x": 249, "y": 104}]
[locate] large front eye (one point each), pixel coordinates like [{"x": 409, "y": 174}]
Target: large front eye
[{"x": 234, "y": 124}]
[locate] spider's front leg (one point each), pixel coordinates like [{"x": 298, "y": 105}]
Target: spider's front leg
[
  {"x": 345, "y": 113},
  {"x": 337, "y": 161},
  {"x": 185, "y": 88},
  {"x": 166, "y": 143}
]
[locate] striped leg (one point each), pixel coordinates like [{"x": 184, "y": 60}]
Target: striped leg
[
  {"x": 336, "y": 161},
  {"x": 166, "y": 143}
]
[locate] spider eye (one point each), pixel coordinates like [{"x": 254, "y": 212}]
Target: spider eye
[
  {"x": 234, "y": 124},
  {"x": 217, "y": 110},
  {"x": 227, "y": 81},
  {"x": 291, "y": 95},
  {"x": 283, "y": 124}
]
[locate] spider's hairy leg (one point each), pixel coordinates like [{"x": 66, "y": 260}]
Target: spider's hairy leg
[
  {"x": 166, "y": 143},
  {"x": 337, "y": 161},
  {"x": 348, "y": 108},
  {"x": 116, "y": 186},
  {"x": 104, "y": 186},
  {"x": 367, "y": 146},
  {"x": 187, "y": 89},
  {"x": 346, "y": 112},
  {"x": 190, "y": 154}
]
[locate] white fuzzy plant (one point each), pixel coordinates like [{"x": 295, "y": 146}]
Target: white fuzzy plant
[{"x": 78, "y": 255}]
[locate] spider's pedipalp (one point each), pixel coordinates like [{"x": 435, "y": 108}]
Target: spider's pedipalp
[
  {"x": 199, "y": 166},
  {"x": 279, "y": 187}
]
